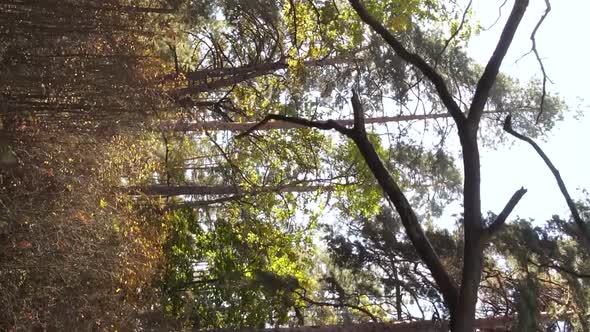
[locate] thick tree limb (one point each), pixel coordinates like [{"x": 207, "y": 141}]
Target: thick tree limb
[
  {"x": 359, "y": 118},
  {"x": 501, "y": 218},
  {"x": 414, "y": 59},
  {"x": 409, "y": 219},
  {"x": 570, "y": 203},
  {"x": 323, "y": 125},
  {"x": 486, "y": 81}
]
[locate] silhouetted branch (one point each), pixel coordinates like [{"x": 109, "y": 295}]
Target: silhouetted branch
[
  {"x": 486, "y": 81},
  {"x": 338, "y": 305},
  {"x": 454, "y": 34},
  {"x": 323, "y": 125},
  {"x": 497, "y": 18},
  {"x": 501, "y": 218},
  {"x": 534, "y": 49},
  {"x": 570, "y": 203}
]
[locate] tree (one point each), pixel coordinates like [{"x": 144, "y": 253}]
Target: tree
[
  {"x": 461, "y": 300},
  {"x": 122, "y": 145}
]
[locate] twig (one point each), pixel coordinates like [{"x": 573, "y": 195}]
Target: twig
[
  {"x": 454, "y": 34},
  {"x": 499, "y": 15},
  {"x": 534, "y": 49},
  {"x": 570, "y": 203}
]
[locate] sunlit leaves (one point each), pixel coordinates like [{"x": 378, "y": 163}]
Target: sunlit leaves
[{"x": 240, "y": 268}]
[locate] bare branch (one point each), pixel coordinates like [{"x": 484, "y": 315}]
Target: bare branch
[
  {"x": 534, "y": 49},
  {"x": 497, "y": 18},
  {"x": 454, "y": 34},
  {"x": 323, "y": 125},
  {"x": 277, "y": 124},
  {"x": 501, "y": 218},
  {"x": 203, "y": 203},
  {"x": 493, "y": 67},
  {"x": 167, "y": 191},
  {"x": 570, "y": 203},
  {"x": 414, "y": 59}
]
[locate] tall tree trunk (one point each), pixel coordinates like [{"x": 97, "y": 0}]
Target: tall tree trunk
[
  {"x": 165, "y": 190},
  {"x": 463, "y": 317}
]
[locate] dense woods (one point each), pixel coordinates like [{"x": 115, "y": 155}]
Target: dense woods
[{"x": 228, "y": 164}]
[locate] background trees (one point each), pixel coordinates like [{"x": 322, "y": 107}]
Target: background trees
[{"x": 135, "y": 168}]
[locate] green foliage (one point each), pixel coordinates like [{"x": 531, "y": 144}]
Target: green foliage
[
  {"x": 360, "y": 197},
  {"x": 527, "y": 305},
  {"x": 236, "y": 271}
]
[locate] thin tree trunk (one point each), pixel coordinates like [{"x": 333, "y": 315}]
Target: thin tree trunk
[
  {"x": 165, "y": 190},
  {"x": 214, "y": 79}
]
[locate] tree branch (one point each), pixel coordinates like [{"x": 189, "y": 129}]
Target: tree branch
[
  {"x": 560, "y": 268},
  {"x": 501, "y": 218},
  {"x": 414, "y": 59},
  {"x": 407, "y": 215},
  {"x": 337, "y": 305},
  {"x": 570, "y": 203},
  {"x": 534, "y": 49},
  {"x": 454, "y": 34},
  {"x": 414, "y": 230},
  {"x": 323, "y": 125},
  {"x": 485, "y": 83}
]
